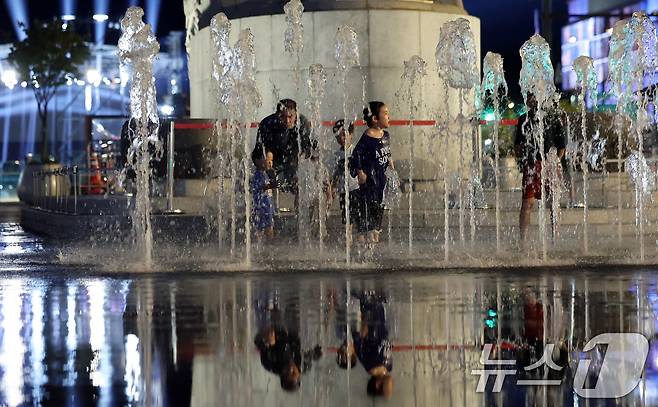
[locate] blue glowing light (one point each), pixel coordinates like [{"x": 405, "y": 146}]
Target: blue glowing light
[
  {"x": 101, "y": 8},
  {"x": 153, "y": 14},
  {"x": 68, "y": 8},
  {"x": 18, "y": 11}
]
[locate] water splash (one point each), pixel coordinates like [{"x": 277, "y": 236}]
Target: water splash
[
  {"x": 474, "y": 197},
  {"x": 220, "y": 29},
  {"x": 317, "y": 82},
  {"x": 138, "y": 48},
  {"x": 456, "y": 60},
  {"x": 346, "y": 49},
  {"x": 586, "y": 78},
  {"x": 294, "y": 36},
  {"x": 536, "y": 79},
  {"x": 555, "y": 187},
  {"x": 493, "y": 74},
  {"x": 247, "y": 100},
  {"x": 632, "y": 53},
  {"x": 632, "y": 57},
  {"x": 596, "y": 153},
  {"x": 415, "y": 69},
  {"x": 392, "y": 193},
  {"x": 639, "y": 173},
  {"x": 456, "y": 56},
  {"x": 311, "y": 174},
  {"x": 234, "y": 70},
  {"x": 246, "y": 93},
  {"x": 493, "y": 80},
  {"x": 537, "y": 74}
]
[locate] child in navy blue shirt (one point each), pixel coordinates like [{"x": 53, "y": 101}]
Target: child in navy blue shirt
[
  {"x": 370, "y": 159},
  {"x": 370, "y": 345},
  {"x": 261, "y": 192}
]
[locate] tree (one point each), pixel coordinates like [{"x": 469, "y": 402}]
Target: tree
[{"x": 50, "y": 55}]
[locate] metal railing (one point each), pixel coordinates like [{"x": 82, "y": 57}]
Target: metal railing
[
  {"x": 60, "y": 189},
  {"x": 52, "y": 189}
]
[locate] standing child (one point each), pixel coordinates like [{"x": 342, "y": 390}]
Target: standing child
[
  {"x": 370, "y": 159},
  {"x": 261, "y": 191},
  {"x": 344, "y": 139}
]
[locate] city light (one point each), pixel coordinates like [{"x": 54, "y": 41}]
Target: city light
[
  {"x": 572, "y": 39},
  {"x": 9, "y": 78},
  {"x": 100, "y": 18},
  {"x": 68, "y": 17},
  {"x": 94, "y": 77},
  {"x": 167, "y": 110},
  {"x": 511, "y": 105},
  {"x": 489, "y": 116}
]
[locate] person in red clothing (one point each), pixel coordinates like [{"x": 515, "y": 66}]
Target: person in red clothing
[{"x": 527, "y": 153}]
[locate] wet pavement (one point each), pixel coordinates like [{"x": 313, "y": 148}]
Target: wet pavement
[{"x": 71, "y": 336}]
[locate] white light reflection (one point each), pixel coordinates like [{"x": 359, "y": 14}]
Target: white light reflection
[
  {"x": 133, "y": 374},
  {"x": 37, "y": 347},
  {"x": 88, "y": 98},
  {"x": 13, "y": 347},
  {"x": 71, "y": 334},
  {"x": 98, "y": 372},
  {"x": 12, "y": 245}
]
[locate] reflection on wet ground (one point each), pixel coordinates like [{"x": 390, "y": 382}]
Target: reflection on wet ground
[{"x": 315, "y": 339}]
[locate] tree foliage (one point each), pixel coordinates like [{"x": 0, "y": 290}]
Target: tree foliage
[{"x": 50, "y": 54}]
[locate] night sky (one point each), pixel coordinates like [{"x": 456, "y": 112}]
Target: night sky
[{"x": 505, "y": 24}]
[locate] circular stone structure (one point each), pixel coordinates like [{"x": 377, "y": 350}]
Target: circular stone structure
[{"x": 390, "y": 32}]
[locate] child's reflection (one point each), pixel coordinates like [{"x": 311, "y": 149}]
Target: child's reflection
[
  {"x": 280, "y": 347},
  {"x": 371, "y": 346}
]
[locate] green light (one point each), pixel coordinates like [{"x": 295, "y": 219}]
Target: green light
[{"x": 491, "y": 313}]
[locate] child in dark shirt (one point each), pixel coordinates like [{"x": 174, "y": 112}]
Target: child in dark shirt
[
  {"x": 371, "y": 346},
  {"x": 370, "y": 159},
  {"x": 261, "y": 191}
]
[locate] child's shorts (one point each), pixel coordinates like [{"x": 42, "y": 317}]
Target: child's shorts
[
  {"x": 371, "y": 215},
  {"x": 354, "y": 207}
]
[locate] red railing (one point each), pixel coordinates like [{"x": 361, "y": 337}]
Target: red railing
[{"x": 395, "y": 123}]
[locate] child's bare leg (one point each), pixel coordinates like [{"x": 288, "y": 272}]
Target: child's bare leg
[
  {"x": 269, "y": 233},
  {"x": 375, "y": 236}
]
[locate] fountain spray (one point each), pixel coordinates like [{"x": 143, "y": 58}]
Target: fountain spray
[
  {"x": 138, "y": 48},
  {"x": 537, "y": 78},
  {"x": 492, "y": 81},
  {"x": 317, "y": 82},
  {"x": 245, "y": 101},
  {"x": 632, "y": 57},
  {"x": 457, "y": 66},
  {"x": 586, "y": 75},
  {"x": 220, "y": 28},
  {"x": 294, "y": 45},
  {"x": 347, "y": 57},
  {"x": 415, "y": 69}
]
